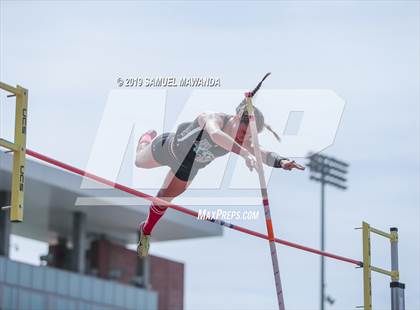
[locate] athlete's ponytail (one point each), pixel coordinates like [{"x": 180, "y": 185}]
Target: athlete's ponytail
[
  {"x": 272, "y": 131},
  {"x": 242, "y": 111}
]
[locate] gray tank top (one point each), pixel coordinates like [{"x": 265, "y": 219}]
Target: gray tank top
[{"x": 192, "y": 143}]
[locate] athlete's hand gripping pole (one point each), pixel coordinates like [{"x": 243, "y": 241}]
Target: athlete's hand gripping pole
[{"x": 264, "y": 194}]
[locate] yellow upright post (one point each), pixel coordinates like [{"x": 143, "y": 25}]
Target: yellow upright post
[
  {"x": 367, "y": 280},
  {"x": 397, "y": 288},
  {"x": 18, "y": 180},
  {"x": 18, "y": 147}
]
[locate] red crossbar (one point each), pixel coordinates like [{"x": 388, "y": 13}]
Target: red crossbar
[{"x": 182, "y": 209}]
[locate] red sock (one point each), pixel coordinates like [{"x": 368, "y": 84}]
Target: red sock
[{"x": 155, "y": 213}]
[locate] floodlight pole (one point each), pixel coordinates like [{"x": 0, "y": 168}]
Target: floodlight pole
[
  {"x": 326, "y": 170},
  {"x": 322, "y": 294}
]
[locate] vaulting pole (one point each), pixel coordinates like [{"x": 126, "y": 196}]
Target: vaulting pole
[{"x": 264, "y": 194}]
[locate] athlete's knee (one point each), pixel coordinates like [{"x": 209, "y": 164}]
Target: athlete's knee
[{"x": 141, "y": 162}]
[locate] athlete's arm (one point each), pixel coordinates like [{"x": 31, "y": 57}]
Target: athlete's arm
[
  {"x": 212, "y": 124},
  {"x": 268, "y": 158},
  {"x": 272, "y": 159}
]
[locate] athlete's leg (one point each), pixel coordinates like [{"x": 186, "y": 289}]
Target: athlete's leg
[
  {"x": 144, "y": 156},
  {"x": 172, "y": 187}
]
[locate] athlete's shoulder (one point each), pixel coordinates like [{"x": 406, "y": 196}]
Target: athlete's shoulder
[{"x": 213, "y": 115}]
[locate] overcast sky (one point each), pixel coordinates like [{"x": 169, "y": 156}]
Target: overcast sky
[{"x": 69, "y": 55}]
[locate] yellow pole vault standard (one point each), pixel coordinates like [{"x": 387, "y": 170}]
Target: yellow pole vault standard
[
  {"x": 264, "y": 194},
  {"x": 367, "y": 274},
  {"x": 397, "y": 288},
  {"x": 18, "y": 147}
]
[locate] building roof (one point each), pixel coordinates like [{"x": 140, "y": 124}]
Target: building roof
[{"x": 52, "y": 195}]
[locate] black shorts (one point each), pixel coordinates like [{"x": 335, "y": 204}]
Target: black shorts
[{"x": 162, "y": 153}]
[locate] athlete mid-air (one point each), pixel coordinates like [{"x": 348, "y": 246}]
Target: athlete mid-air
[{"x": 192, "y": 147}]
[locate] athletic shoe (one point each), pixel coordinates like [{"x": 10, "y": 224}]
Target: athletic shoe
[
  {"x": 144, "y": 243},
  {"x": 148, "y": 136}
]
